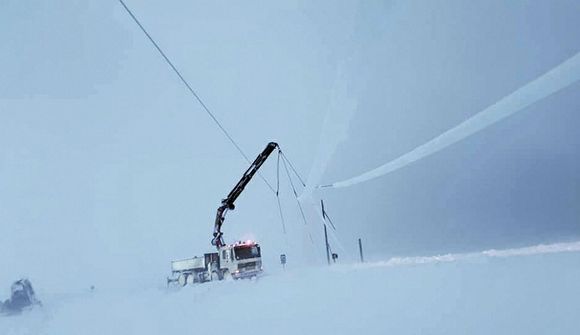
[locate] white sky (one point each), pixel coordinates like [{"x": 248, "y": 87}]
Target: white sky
[{"x": 105, "y": 160}]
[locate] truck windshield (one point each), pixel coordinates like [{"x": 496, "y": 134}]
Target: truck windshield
[{"x": 246, "y": 252}]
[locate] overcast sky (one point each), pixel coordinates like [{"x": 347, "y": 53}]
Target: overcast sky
[{"x": 106, "y": 160}]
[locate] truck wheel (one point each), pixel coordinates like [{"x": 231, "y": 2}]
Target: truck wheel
[
  {"x": 202, "y": 277},
  {"x": 182, "y": 279},
  {"x": 228, "y": 276},
  {"x": 214, "y": 276},
  {"x": 190, "y": 279}
]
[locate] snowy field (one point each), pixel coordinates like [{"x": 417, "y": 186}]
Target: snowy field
[{"x": 527, "y": 291}]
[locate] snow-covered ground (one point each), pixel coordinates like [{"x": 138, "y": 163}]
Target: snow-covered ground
[{"x": 525, "y": 291}]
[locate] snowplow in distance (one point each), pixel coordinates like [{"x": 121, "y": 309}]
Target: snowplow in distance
[
  {"x": 22, "y": 297},
  {"x": 235, "y": 261}
]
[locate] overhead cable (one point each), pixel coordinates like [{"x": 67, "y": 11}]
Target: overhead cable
[{"x": 191, "y": 90}]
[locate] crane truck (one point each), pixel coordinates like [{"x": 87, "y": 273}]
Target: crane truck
[{"x": 241, "y": 259}]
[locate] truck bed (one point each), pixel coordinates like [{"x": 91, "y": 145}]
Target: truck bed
[{"x": 192, "y": 264}]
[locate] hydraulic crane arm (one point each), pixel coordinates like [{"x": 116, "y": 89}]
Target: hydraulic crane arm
[{"x": 228, "y": 202}]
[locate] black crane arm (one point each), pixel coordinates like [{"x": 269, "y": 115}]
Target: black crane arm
[{"x": 228, "y": 202}]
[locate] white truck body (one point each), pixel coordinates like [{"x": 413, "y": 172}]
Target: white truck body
[
  {"x": 195, "y": 263},
  {"x": 239, "y": 260}
]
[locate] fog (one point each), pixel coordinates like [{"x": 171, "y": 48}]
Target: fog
[{"x": 109, "y": 168}]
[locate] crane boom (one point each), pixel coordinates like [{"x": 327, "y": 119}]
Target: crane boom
[{"x": 228, "y": 202}]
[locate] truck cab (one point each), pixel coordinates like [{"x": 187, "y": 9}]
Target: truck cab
[{"x": 240, "y": 260}]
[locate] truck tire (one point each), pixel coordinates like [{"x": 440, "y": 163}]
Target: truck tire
[
  {"x": 190, "y": 279},
  {"x": 228, "y": 276},
  {"x": 215, "y": 276},
  {"x": 202, "y": 277},
  {"x": 182, "y": 279}
]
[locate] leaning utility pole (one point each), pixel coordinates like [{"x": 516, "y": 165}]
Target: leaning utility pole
[{"x": 327, "y": 246}]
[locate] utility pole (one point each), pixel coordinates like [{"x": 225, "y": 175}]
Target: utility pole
[
  {"x": 325, "y": 217},
  {"x": 327, "y": 246},
  {"x": 360, "y": 250}
]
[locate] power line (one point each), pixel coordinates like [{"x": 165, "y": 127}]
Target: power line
[
  {"x": 278, "y": 191},
  {"x": 293, "y": 169},
  {"x": 191, "y": 90},
  {"x": 296, "y": 196}
]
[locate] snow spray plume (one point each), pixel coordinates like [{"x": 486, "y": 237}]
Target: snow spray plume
[
  {"x": 549, "y": 83},
  {"x": 492, "y": 253},
  {"x": 334, "y": 131}
]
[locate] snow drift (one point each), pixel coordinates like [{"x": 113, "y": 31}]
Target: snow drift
[{"x": 491, "y": 292}]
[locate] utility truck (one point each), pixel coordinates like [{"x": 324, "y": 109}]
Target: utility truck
[
  {"x": 237, "y": 260},
  {"x": 233, "y": 261}
]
